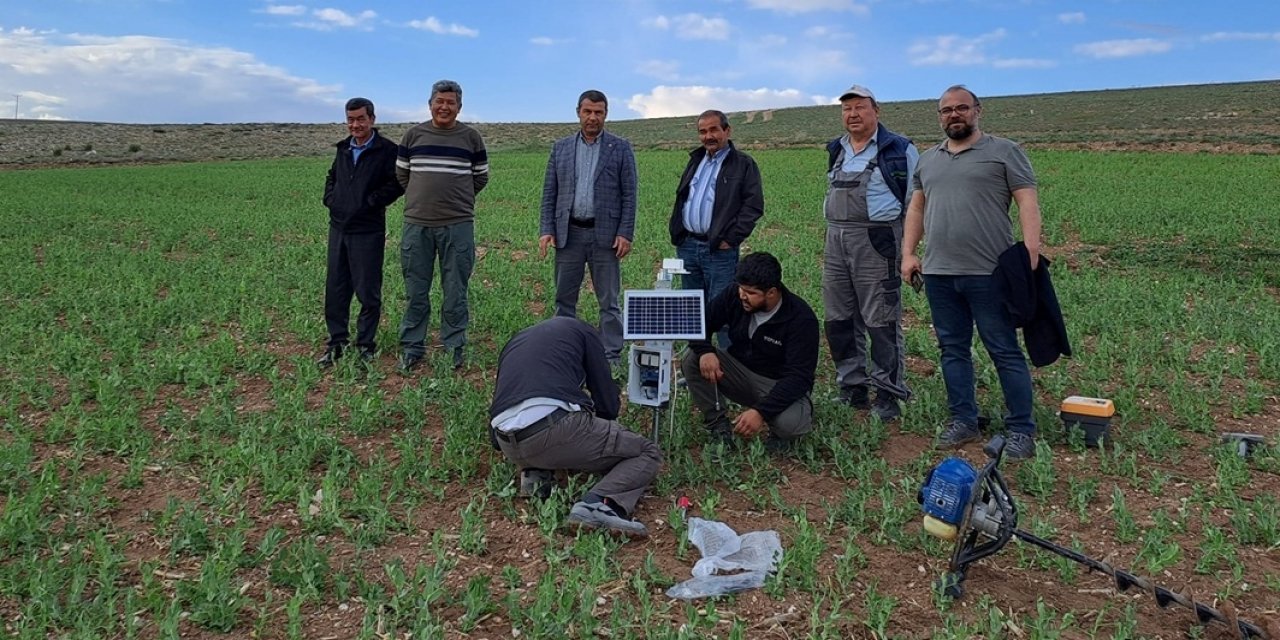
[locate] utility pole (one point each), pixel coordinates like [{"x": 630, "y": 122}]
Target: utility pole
[{"x": 16, "y": 97}]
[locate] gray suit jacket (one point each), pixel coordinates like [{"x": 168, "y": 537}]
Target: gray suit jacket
[{"x": 615, "y": 190}]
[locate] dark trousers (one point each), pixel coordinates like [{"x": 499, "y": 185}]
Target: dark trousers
[
  {"x": 627, "y": 461},
  {"x": 355, "y": 266}
]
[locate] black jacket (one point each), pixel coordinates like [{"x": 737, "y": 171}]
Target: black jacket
[
  {"x": 785, "y": 348},
  {"x": 358, "y": 194},
  {"x": 1032, "y": 304},
  {"x": 739, "y": 199},
  {"x": 554, "y": 359}
]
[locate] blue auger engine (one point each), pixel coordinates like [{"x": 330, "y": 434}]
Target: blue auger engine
[{"x": 975, "y": 510}]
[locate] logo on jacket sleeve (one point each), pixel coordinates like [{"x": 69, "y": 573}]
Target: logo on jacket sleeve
[{"x": 772, "y": 340}]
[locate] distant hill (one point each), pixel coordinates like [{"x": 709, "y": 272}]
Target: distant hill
[{"x": 1222, "y": 118}]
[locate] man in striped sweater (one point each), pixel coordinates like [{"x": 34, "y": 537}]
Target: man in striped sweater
[{"x": 442, "y": 165}]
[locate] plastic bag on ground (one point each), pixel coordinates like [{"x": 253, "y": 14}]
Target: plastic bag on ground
[{"x": 730, "y": 562}]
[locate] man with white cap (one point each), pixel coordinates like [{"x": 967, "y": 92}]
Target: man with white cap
[{"x": 869, "y": 182}]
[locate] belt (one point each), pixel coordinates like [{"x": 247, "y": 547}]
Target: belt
[
  {"x": 699, "y": 236},
  {"x": 583, "y": 223},
  {"x": 542, "y": 424}
]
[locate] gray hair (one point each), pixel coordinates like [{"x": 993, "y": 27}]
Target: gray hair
[
  {"x": 716, "y": 113},
  {"x": 446, "y": 86}
]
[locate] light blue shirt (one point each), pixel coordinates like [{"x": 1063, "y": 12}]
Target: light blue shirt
[
  {"x": 881, "y": 205},
  {"x": 586, "y": 157},
  {"x": 702, "y": 194},
  {"x": 357, "y": 149}
]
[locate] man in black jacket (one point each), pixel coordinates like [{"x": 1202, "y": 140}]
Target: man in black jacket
[
  {"x": 542, "y": 420},
  {"x": 769, "y": 366},
  {"x": 360, "y": 185},
  {"x": 718, "y": 201}
]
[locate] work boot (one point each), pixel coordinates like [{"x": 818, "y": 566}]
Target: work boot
[
  {"x": 536, "y": 483},
  {"x": 886, "y": 407},
  {"x": 957, "y": 434},
  {"x": 856, "y": 397},
  {"x": 598, "y": 515},
  {"x": 1019, "y": 446},
  {"x": 330, "y": 357}
]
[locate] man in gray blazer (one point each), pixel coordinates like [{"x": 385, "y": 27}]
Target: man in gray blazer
[{"x": 589, "y": 214}]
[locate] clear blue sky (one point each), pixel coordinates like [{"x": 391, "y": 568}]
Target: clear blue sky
[{"x": 170, "y": 61}]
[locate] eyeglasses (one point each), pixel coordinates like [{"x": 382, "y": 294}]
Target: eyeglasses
[{"x": 962, "y": 109}]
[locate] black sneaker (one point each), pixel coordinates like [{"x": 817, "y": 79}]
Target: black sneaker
[
  {"x": 957, "y": 434},
  {"x": 330, "y": 357},
  {"x": 368, "y": 356},
  {"x": 598, "y": 515},
  {"x": 536, "y": 483},
  {"x": 774, "y": 445},
  {"x": 1019, "y": 446},
  {"x": 855, "y": 397},
  {"x": 886, "y": 407},
  {"x": 408, "y": 362},
  {"x": 720, "y": 431}
]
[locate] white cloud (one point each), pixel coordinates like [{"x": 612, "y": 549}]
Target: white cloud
[
  {"x": 284, "y": 10},
  {"x": 1122, "y": 48},
  {"x": 664, "y": 70},
  {"x": 545, "y": 41},
  {"x": 434, "y": 25},
  {"x": 664, "y": 101},
  {"x": 1076, "y": 17},
  {"x": 1227, "y": 36},
  {"x": 807, "y": 6},
  {"x": 1023, "y": 63},
  {"x": 953, "y": 50},
  {"x": 329, "y": 19},
  {"x": 145, "y": 79},
  {"x": 691, "y": 26},
  {"x": 772, "y": 40}
]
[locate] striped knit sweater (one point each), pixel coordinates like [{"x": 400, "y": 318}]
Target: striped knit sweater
[{"x": 441, "y": 171}]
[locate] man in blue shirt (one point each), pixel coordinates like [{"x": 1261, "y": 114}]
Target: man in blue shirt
[
  {"x": 360, "y": 184},
  {"x": 588, "y": 214},
  {"x": 868, "y": 174},
  {"x": 718, "y": 201}
]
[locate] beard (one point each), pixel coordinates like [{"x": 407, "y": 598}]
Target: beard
[{"x": 961, "y": 132}]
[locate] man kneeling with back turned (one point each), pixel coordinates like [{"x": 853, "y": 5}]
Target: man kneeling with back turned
[{"x": 542, "y": 420}]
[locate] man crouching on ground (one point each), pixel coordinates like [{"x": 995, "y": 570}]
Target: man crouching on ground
[
  {"x": 542, "y": 419},
  {"x": 769, "y": 366}
]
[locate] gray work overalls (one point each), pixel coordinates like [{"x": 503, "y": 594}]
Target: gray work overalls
[{"x": 861, "y": 287}]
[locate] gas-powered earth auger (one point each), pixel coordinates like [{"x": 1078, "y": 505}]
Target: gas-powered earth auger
[{"x": 974, "y": 509}]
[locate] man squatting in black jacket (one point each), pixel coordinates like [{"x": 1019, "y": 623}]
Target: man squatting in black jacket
[
  {"x": 360, "y": 185},
  {"x": 541, "y": 419},
  {"x": 769, "y": 366}
]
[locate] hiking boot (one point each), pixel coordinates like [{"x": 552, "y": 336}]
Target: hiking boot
[
  {"x": 330, "y": 357},
  {"x": 855, "y": 397},
  {"x": 1019, "y": 446},
  {"x": 536, "y": 483},
  {"x": 598, "y": 515},
  {"x": 957, "y": 434},
  {"x": 408, "y": 362},
  {"x": 886, "y": 407}
]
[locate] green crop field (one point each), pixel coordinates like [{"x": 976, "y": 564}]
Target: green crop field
[{"x": 174, "y": 465}]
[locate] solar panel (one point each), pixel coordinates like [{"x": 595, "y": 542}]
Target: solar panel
[{"x": 663, "y": 314}]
